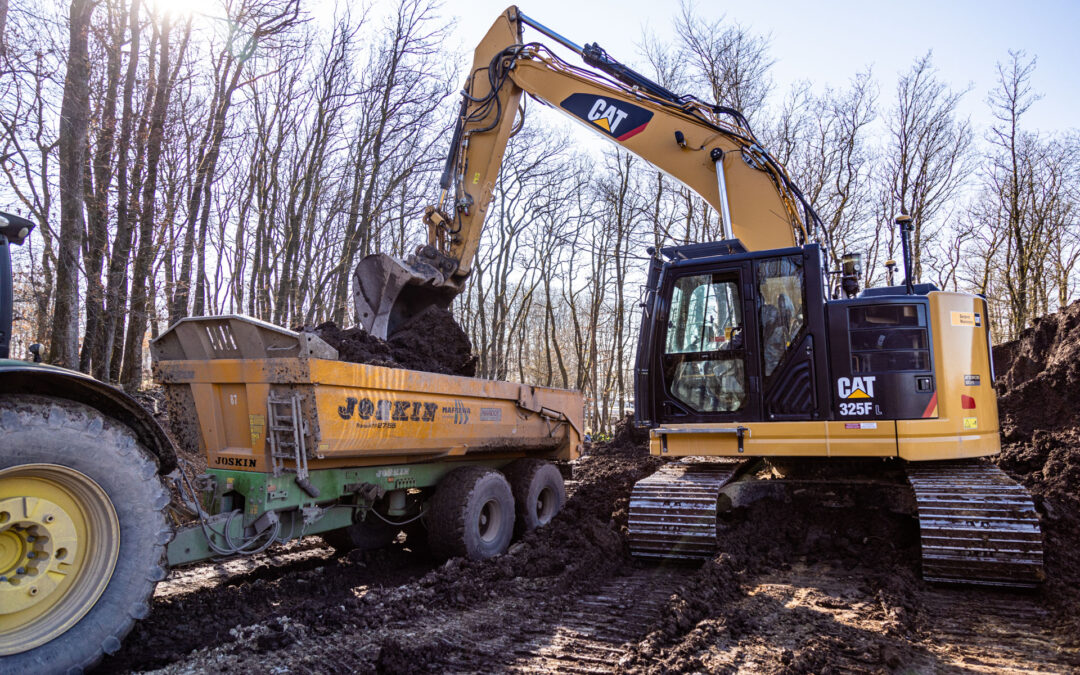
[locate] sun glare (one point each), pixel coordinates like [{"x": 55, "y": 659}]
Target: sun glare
[{"x": 207, "y": 8}]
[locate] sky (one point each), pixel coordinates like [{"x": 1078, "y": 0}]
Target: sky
[{"x": 828, "y": 41}]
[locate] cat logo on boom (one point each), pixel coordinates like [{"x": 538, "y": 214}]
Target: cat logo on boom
[{"x": 615, "y": 118}]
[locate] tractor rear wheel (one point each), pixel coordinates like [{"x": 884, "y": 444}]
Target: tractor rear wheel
[
  {"x": 539, "y": 492},
  {"x": 82, "y": 534},
  {"x": 471, "y": 514}
]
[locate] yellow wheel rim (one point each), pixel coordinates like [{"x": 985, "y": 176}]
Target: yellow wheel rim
[{"x": 59, "y": 539}]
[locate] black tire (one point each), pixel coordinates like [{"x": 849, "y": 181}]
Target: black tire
[
  {"x": 539, "y": 492},
  {"x": 45, "y": 431},
  {"x": 368, "y": 535},
  {"x": 471, "y": 514}
]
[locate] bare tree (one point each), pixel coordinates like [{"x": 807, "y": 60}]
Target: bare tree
[
  {"x": 928, "y": 155},
  {"x": 74, "y": 114},
  {"x": 131, "y": 371},
  {"x": 250, "y": 24},
  {"x": 825, "y": 143},
  {"x": 732, "y": 61}
]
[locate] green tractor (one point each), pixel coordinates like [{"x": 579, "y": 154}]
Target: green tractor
[{"x": 83, "y": 528}]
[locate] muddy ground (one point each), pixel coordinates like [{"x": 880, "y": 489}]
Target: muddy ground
[{"x": 821, "y": 583}]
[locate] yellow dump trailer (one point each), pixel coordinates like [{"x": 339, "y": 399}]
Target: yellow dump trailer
[{"x": 297, "y": 442}]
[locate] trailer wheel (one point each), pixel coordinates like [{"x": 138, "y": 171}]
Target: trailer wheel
[
  {"x": 539, "y": 492},
  {"x": 82, "y": 534},
  {"x": 368, "y": 535},
  {"x": 472, "y": 514}
]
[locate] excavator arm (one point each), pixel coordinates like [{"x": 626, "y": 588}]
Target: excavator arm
[{"x": 708, "y": 148}]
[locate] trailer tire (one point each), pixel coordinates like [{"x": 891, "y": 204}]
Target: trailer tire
[
  {"x": 98, "y": 497},
  {"x": 368, "y": 535},
  {"x": 471, "y": 514},
  {"x": 539, "y": 492}
]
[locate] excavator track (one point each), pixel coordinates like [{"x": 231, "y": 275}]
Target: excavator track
[
  {"x": 977, "y": 525},
  {"x": 673, "y": 511}
]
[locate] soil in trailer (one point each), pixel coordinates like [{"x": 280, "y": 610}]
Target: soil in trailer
[{"x": 432, "y": 342}]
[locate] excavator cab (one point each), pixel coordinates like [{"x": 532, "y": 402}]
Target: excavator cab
[{"x": 729, "y": 335}]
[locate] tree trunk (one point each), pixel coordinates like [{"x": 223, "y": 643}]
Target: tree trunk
[
  {"x": 97, "y": 197},
  {"x": 74, "y": 114},
  {"x": 131, "y": 375}
]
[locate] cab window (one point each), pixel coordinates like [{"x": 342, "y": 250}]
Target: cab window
[
  {"x": 783, "y": 315},
  {"x": 704, "y": 354}
]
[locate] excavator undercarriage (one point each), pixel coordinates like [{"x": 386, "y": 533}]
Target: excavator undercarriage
[{"x": 977, "y": 526}]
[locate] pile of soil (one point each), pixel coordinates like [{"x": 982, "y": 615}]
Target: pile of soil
[
  {"x": 627, "y": 440},
  {"x": 432, "y": 342},
  {"x": 1038, "y": 389}
]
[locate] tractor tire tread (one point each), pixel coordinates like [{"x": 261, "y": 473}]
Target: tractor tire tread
[{"x": 145, "y": 530}]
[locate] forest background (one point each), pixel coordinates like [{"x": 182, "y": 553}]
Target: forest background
[{"x": 243, "y": 157}]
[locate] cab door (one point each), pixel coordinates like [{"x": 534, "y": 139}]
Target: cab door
[{"x": 710, "y": 372}]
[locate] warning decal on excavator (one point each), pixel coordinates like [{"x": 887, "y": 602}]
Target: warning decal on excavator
[
  {"x": 967, "y": 319},
  {"x": 616, "y": 118}
]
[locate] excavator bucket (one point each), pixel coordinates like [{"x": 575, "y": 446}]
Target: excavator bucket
[{"x": 388, "y": 292}]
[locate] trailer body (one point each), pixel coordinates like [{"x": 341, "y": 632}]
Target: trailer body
[{"x": 298, "y": 441}]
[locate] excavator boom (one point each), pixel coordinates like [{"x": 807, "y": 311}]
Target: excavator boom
[{"x": 708, "y": 148}]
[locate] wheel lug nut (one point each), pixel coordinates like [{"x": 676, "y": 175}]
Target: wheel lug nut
[
  {"x": 30, "y": 538},
  {"x": 30, "y": 555},
  {"x": 21, "y": 570}
]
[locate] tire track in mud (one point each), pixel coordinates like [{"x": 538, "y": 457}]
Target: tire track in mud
[
  {"x": 588, "y": 632},
  {"x": 279, "y": 560},
  {"x": 992, "y": 631},
  {"x": 591, "y": 635},
  {"x": 245, "y": 595}
]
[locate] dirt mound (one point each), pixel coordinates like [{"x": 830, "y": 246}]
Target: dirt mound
[
  {"x": 628, "y": 440},
  {"x": 1039, "y": 402},
  {"x": 432, "y": 342},
  {"x": 1038, "y": 377}
]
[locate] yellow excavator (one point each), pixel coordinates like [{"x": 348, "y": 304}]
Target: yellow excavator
[{"x": 750, "y": 347}]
